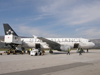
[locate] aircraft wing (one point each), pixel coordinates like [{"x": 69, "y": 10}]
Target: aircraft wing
[{"x": 52, "y": 44}]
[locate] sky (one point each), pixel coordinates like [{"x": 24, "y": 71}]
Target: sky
[{"x": 52, "y": 18}]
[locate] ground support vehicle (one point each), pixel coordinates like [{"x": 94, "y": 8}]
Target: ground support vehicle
[{"x": 35, "y": 52}]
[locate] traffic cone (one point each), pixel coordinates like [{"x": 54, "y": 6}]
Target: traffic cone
[{"x": 71, "y": 52}]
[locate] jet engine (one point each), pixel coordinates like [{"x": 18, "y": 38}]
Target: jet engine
[{"x": 65, "y": 47}]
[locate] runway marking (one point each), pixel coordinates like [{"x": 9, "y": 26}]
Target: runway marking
[{"x": 48, "y": 69}]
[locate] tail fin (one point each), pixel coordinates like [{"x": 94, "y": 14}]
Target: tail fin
[{"x": 8, "y": 30}]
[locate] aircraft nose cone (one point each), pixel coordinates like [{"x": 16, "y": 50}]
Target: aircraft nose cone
[{"x": 92, "y": 44}]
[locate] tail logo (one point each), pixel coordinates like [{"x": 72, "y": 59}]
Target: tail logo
[{"x": 9, "y": 32}]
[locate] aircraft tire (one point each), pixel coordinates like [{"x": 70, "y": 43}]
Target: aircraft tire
[
  {"x": 36, "y": 54},
  {"x": 51, "y": 52},
  {"x": 40, "y": 53}
]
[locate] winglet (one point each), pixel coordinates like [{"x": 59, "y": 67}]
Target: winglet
[{"x": 34, "y": 36}]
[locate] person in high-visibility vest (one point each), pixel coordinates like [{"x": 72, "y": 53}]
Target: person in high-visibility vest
[
  {"x": 68, "y": 51},
  {"x": 30, "y": 50},
  {"x": 80, "y": 51},
  {"x": 43, "y": 51}
]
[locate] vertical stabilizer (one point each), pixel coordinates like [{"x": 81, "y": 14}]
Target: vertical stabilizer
[
  {"x": 11, "y": 37},
  {"x": 8, "y": 30}
]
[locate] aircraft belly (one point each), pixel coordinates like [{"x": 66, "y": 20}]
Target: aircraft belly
[
  {"x": 29, "y": 45},
  {"x": 46, "y": 47},
  {"x": 86, "y": 45},
  {"x": 71, "y": 44}
]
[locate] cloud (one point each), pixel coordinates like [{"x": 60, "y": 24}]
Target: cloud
[
  {"x": 85, "y": 13},
  {"x": 53, "y": 18},
  {"x": 55, "y": 5},
  {"x": 29, "y": 30},
  {"x": 72, "y": 13},
  {"x": 92, "y": 32},
  {"x": 79, "y": 29},
  {"x": 38, "y": 31}
]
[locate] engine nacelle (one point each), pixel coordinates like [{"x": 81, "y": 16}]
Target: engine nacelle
[{"x": 65, "y": 47}]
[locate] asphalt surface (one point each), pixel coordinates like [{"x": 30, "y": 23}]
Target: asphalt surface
[{"x": 51, "y": 64}]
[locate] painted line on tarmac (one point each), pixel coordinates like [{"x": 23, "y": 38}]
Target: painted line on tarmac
[{"x": 48, "y": 69}]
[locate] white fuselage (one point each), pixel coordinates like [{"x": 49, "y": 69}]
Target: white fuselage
[
  {"x": 61, "y": 44},
  {"x": 81, "y": 42}
]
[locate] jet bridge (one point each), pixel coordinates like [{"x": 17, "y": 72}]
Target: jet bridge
[{"x": 12, "y": 39}]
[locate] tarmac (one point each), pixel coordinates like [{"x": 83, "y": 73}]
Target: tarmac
[{"x": 58, "y": 63}]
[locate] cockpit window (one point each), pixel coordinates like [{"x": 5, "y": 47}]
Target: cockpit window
[{"x": 89, "y": 41}]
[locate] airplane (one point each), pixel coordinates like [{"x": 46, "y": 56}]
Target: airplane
[{"x": 60, "y": 44}]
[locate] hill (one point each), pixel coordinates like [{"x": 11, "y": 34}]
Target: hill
[
  {"x": 1, "y": 37},
  {"x": 97, "y": 42}
]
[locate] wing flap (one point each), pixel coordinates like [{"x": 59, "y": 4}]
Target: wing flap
[{"x": 52, "y": 44}]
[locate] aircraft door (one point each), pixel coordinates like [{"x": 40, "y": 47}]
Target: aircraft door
[
  {"x": 37, "y": 46},
  {"x": 76, "y": 45}
]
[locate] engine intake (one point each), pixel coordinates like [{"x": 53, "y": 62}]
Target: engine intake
[{"x": 65, "y": 47}]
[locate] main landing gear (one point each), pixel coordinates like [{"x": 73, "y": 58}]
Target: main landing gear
[{"x": 51, "y": 51}]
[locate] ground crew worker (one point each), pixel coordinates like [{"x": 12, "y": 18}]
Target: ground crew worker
[
  {"x": 68, "y": 52},
  {"x": 9, "y": 52},
  {"x": 39, "y": 49},
  {"x": 87, "y": 50},
  {"x": 80, "y": 51},
  {"x": 30, "y": 50},
  {"x": 14, "y": 51},
  {"x": 43, "y": 52}
]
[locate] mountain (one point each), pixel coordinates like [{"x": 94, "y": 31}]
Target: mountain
[
  {"x": 97, "y": 42},
  {"x": 2, "y": 38},
  {"x": 2, "y": 45}
]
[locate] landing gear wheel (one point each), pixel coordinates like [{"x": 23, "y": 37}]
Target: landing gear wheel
[
  {"x": 51, "y": 51},
  {"x": 36, "y": 54}
]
